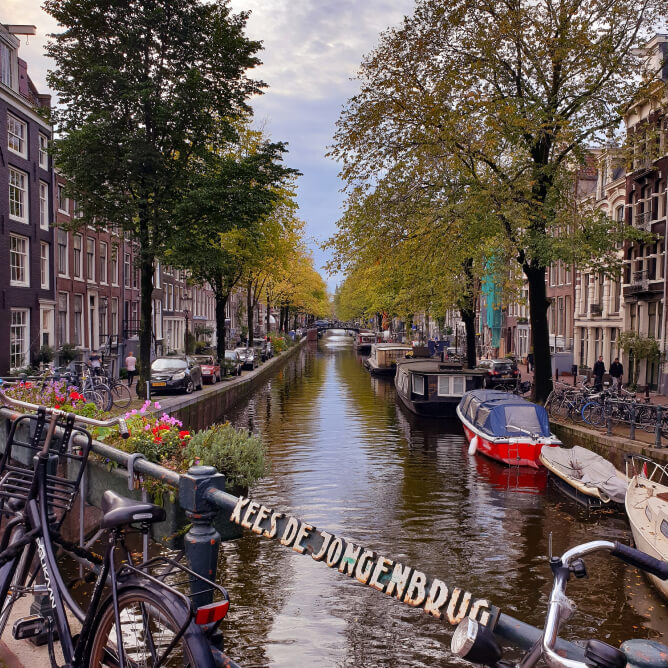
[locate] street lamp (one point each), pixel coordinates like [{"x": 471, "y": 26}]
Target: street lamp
[{"x": 186, "y": 300}]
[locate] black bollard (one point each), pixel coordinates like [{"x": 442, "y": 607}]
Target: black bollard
[
  {"x": 202, "y": 540},
  {"x": 632, "y": 418},
  {"x": 608, "y": 426},
  {"x": 657, "y": 433}
]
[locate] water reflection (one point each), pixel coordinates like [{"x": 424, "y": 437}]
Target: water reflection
[{"x": 346, "y": 458}]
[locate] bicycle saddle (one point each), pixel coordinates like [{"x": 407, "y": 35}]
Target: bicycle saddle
[{"x": 117, "y": 511}]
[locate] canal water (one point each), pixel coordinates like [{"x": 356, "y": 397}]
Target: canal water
[{"x": 348, "y": 459}]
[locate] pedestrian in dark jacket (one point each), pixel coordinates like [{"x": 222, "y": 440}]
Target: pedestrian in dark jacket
[
  {"x": 599, "y": 370},
  {"x": 616, "y": 371}
]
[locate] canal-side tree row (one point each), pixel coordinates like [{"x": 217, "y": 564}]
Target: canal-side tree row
[
  {"x": 153, "y": 138},
  {"x": 493, "y": 107}
]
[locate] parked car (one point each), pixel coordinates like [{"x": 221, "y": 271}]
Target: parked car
[
  {"x": 210, "y": 368},
  {"x": 499, "y": 372},
  {"x": 181, "y": 373},
  {"x": 232, "y": 363},
  {"x": 260, "y": 346},
  {"x": 249, "y": 360}
]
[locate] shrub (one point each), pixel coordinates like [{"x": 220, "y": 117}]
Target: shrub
[
  {"x": 67, "y": 352},
  {"x": 279, "y": 343},
  {"x": 236, "y": 453}
]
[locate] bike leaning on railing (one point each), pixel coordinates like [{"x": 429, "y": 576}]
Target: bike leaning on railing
[
  {"x": 477, "y": 644},
  {"x": 143, "y": 618}
]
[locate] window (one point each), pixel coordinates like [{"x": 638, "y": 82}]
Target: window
[
  {"x": 77, "y": 240},
  {"x": 46, "y": 325},
  {"x": 126, "y": 270},
  {"x": 451, "y": 386},
  {"x": 17, "y": 132},
  {"x": 43, "y": 205},
  {"x": 62, "y": 318},
  {"x": 78, "y": 320},
  {"x": 18, "y": 195},
  {"x": 19, "y": 331},
  {"x": 18, "y": 260},
  {"x": 418, "y": 384},
  {"x": 114, "y": 316},
  {"x": 102, "y": 318},
  {"x": 62, "y": 254},
  {"x": 43, "y": 151},
  {"x": 114, "y": 264},
  {"x": 5, "y": 65},
  {"x": 63, "y": 202},
  {"x": 103, "y": 262},
  {"x": 90, "y": 259},
  {"x": 44, "y": 265},
  {"x": 651, "y": 319}
]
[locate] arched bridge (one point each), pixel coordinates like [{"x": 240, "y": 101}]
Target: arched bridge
[{"x": 321, "y": 326}]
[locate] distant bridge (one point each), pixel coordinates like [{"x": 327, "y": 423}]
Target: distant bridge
[{"x": 347, "y": 326}]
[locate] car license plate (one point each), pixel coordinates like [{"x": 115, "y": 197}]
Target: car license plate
[{"x": 159, "y": 384}]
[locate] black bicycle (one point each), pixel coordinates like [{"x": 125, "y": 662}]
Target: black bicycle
[{"x": 138, "y": 614}]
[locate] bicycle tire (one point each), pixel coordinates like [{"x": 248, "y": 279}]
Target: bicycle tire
[
  {"x": 121, "y": 395},
  {"x": 142, "y": 609},
  {"x": 16, "y": 571},
  {"x": 592, "y": 414},
  {"x": 100, "y": 396}
]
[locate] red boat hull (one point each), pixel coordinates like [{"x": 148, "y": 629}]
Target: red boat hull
[{"x": 513, "y": 452}]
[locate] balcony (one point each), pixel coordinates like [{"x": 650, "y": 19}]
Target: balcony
[
  {"x": 639, "y": 283},
  {"x": 595, "y": 309}
]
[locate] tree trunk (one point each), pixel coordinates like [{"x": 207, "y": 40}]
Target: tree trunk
[
  {"x": 468, "y": 316},
  {"x": 249, "y": 313},
  {"x": 538, "y": 305},
  {"x": 268, "y": 323},
  {"x": 221, "y": 303},
  {"x": 147, "y": 258}
]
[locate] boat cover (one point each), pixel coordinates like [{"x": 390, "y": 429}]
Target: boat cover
[
  {"x": 500, "y": 414},
  {"x": 589, "y": 469}
]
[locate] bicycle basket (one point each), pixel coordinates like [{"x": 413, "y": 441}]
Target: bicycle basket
[{"x": 66, "y": 467}]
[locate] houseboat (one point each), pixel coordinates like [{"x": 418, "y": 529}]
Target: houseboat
[
  {"x": 505, "y": 427},
  {"x": 363, "y": 341},
  {"x": 433, "y": 388},
  {"x": 384, "y": 357}
]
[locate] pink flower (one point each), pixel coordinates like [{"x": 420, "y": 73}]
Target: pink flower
[{"x": 156, "y": 404}]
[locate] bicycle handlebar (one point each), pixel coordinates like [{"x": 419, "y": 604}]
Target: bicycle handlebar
[
  {"x": 122, "y": 426},
  {"x": 642, "y": 560}
]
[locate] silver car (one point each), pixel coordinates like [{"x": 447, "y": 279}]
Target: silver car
[{"x": 248, "y": 358}]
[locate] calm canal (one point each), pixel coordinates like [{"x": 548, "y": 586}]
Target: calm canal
[{"x": 347, "y": 459}]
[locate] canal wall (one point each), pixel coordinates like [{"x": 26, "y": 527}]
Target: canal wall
[
  {"x": 201, "y": 410},
  {"x": 613, "y": 448}
]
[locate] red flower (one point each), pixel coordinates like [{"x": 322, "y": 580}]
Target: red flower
[
  {"x": 157, "y": 439},
  {"x": 57, "y": 406},
  {"x": 183, "y": 434}
]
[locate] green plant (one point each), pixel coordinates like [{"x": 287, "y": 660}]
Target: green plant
[
  {"x": 639, "y": 348},
  {"x": 236, "y": 453},
  {"x": 201, "y": 347},
  {"x": 67, "y": 352},
  {"x": 123, "y": 373},
  {"x": 279, "y": 343},
  {"x": 45, "y": 355}
]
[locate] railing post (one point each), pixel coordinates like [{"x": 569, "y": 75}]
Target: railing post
[
  {"x": 202, "y": 540},
  {"x": 608, "y": 426},
  {"x": 657, "y": 433},
  {"x": 632, "y": 417}
]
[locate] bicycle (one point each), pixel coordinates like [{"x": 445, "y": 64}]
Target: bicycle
[
  {"x": 120, "y": 393},
  {"x": 478, "y": 644},
  {"x": 143, "y": 620}
]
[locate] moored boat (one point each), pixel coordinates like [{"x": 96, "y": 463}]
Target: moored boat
[
  {"x": 647, "y": 509},
  {"x": 384, "y": 357},
  {"x": 364, "y": 340},
  {"x": 434, "y": 388},
  {"x": 505, "y": 427},
  {"x": 585, "y": 476}
]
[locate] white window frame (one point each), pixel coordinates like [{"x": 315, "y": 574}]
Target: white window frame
[
  {"x": 80, "y": 318},
  {"x": 418, "y": 384},
  {"x": 77, "y": 268},
  {"x": 17, "y": 130},
  {"x": 24, "y": 257},
  {"x": 24, "y": 326},
  {"x": 61, "y": 197},
  {"x": 113, "y": 325},
  {"x": 90, "y": 260},
  {"x": 447, "y": 386},
  {"x": 7, "y": 58},
  {"x": 44, "y": 205},
  {"x": 104, "y": 259},
  {"x": 44, "y": 265},
  {"x": 66, "y": 333},
  {"x": 66, "y": 271},
  {"x": 18, "y": 186},
  {"x": 43, "y": 151},
  {"x": 46, "y": 327},
  {"x": 114, "y": 264}
]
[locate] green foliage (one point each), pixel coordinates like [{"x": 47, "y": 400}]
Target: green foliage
[
  {"x": 639, "y": 348},
  {"x": 236, "y": 453},
  {"x": 67, "y": 352},
  {"x": 44, "y": 355},
  {"x": 279, "y": 343}
]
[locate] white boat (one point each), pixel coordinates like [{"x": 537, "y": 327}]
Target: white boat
[
  {"x": 384, "y": 357},
  {"x": 647, "y": 510},
  {"x": 585, "y": 476}
]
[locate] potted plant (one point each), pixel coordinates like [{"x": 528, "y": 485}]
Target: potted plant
[{"x": 67, "y": 352}]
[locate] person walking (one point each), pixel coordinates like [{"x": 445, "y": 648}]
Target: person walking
[
  {"x": 599, "y": 370},
  {"x": 131, "y": 366},
  {"x": 530, "y": 362},
  {"x": 616, "y": 371}
]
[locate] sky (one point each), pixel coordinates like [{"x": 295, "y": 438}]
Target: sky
[{"x": 312, "y": 51}]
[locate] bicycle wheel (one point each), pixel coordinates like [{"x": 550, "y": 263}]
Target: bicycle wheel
[
  {"x": 592, "y": 414},
  {"x": 13, "y": 577},
  {"x": 121, "y": 396},
  {"x": 100, "y": 395},
  {"x": 149, "y": 620}
]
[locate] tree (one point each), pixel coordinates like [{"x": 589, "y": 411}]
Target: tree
[
  {"x": 146, "y": 87},
  {"x": 638, "y": 348},
  {"x": 224, "y": 215},
  {"x": 508, "y": 96}
]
